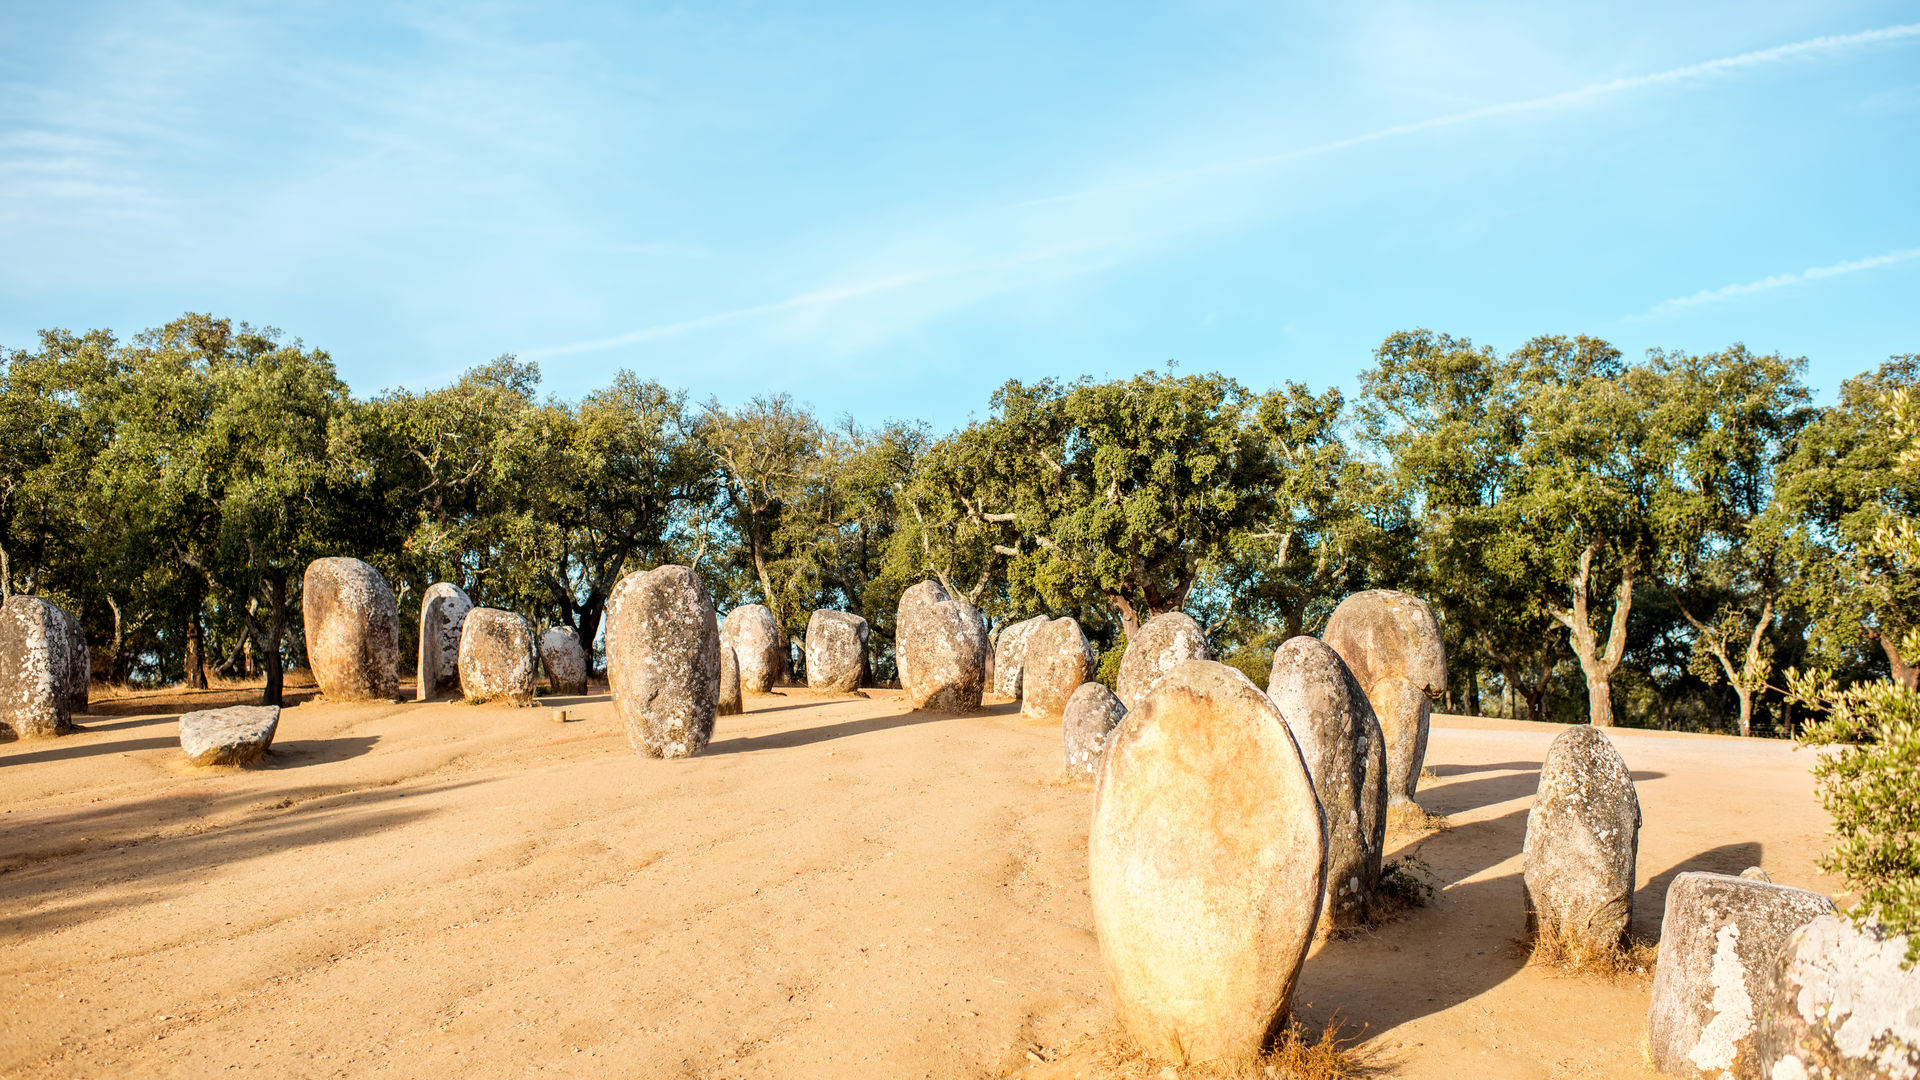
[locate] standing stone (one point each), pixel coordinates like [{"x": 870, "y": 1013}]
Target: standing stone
[
  {"x": 1842, "y": 1005},
  {"x": 1010, "y": 655},
  {"x": 1090, "y": 718},
  {"x": 941, "y": 647},
  {"x": 1166, "y": 641},
  {"x": 756, "y": 641},
  {"x": 836, "y": 652},
  {"x": 1583, "y": 834},
  {"x": 353, "y": 630},
  {"x": 1340, "y": 741},
  {"x": 1720, "y": 943},
  {"x": 79, "y": 663},
  {"x": 35, "y": 698},
  {"x": 564, "y": 659},
  {"x": 729, "y": 703},
  {"x": 1391, "y": 642},
  {"x": 1058, "y": 661},
  {"x": 232, "y": 736},
  {"x": 1205, "y": 866},
  {"x": 496, "y": 656},
  {"x": 443, "y": 611},
  {"x": 663, "y": 660}
]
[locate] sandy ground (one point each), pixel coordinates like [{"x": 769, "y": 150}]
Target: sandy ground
[{"x": 838, "y": 887}]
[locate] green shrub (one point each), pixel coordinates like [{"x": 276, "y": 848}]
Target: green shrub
[
  {"x": 1870, "y": 784},
  {"x": 1109, "y": 671},
  {"x": 1254, "y": 662}
]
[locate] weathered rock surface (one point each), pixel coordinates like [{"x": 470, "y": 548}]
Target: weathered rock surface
[
  {"x": 663, "y": 660},
  {"x": 1340, "y": 741},
  {"x": 1841, "y": 1006},
  {"x": 941, "y": 646},
  {"x": 35, "y": 698},
  {"x": 1166, "y": 641},
  {"x": 1206, "y": 864},
  {"x": 1010, "y": 655},
  {"x": 1091, "y": 715},
  {"x": 1058, "y": 661},
  {"x": 757, "y": 645},
  {"x": 1391, "y": 642},
  {"x": 836, "y": 651},
  {"x": 564, "y": 660},
  {"x": 353, "y": 630},
  {"x": 232, "y": 736},
  {"x": 443, "y": 611},
  {"x": 729, "y": 703},
  {"x": 1583, "y": 835},
  {"x": 1720, "y": 944},
  {"x": 497, "y": 656},
  {"x": 79, "y": 663}
]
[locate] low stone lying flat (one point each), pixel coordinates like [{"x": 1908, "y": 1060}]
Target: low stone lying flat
[
  {"x": 234, "y": 735},
  {"x": 1088, "y": 722}
]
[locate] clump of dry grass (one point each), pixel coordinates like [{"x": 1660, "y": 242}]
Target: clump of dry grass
[
  {"x": 1411, "y": 817},
  {"x": 1296, "y": 1054},
  {"x": 1631, "y": 961}
]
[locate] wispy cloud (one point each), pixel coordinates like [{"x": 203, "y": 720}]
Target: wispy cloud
[
  {"x": 1581, "y": 95},
  {"x": 1781, "y": 281}
]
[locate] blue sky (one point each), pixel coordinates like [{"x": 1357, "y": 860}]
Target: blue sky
[{"x": 887, "y": 210}]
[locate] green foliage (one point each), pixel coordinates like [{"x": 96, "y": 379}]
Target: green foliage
[
  {"x": 1253, "y": 661},
  {"x": 1108, "y": 672}
]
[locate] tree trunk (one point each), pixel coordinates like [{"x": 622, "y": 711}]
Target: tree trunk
[
  {"x": 1905, "y": 674},
  {"x": 760, "y": 563},
  {"x": 1746, "y": 708},
  {"x": 1129, "y": 619},
  {"x": 1596, "y": 661},
  {"x": 1473, "y": 690},
  {"x": 196, "y": 665},
  {"x": 276, "y": 632},
  {"x": 1599, "y": 701},
  {"x": 113, "y": 661}
]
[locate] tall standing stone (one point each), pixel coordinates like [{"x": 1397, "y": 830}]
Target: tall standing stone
[
  {"x": 1583, "y": 834},
  {"x": 757, "y": 644},
  {"x": 1167, "y": 641},
  {"x": 1010, "y": 655},
  {"x": 497, "y": 656},
  {"x": 1206, "y": 863},
  {"x": 79, "y": 663},
  {"x": 940, "y": 645},
  {"x": 730, "y": 702},
  {"x": 564, "y": 660},
  {"x": 1058, "y": 661},
  {"x": 1391, "y": 642},
  {"x": 836, "y": 652},
  {"x": 353, "y": 630},
  {"x": 663, "y": 660},
  {"x": 1720, "y": 941},
  {"x": 1340, "y": 742},
  {"x": 1090, "y": 718},
  {"x": 1843, "y": 1005},
  {"x": 35, "y": 698},
  {"x": 443, "y": 611}
]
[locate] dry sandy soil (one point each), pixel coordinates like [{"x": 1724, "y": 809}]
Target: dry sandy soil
[{"x": 838, "y": 887}]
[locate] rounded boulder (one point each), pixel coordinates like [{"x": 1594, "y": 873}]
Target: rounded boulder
[
  {"x": 353, "y": 630},
  {"x": 941, "y": 648},
  {"x": 729, "y": 703},
  {"x": 1091, "y": 716},
  {"x": 1010, "y": 655},
  {"x": 757, "y": 645},
  {"x": 1206, "y": 863},
  {"x": 564, "y": 660},
  {"x": 443, "y": 611},
  {"x": 1842, "y": 1005},
  {"x": 497, "y": 656},
  {"x": 1168, "y": 640},
  {"x": 836, "y": 652},
  {"x": 1340, "y": 741},
  {"x": 35, "y": 696},
  {"x": 663, "y": 660},
  {"x": 1058, "y": 661},
  {"x": 1392, "y": 644},
  {"x": 1583, "y": 835}
]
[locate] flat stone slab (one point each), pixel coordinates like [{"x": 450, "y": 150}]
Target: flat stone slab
[{"x": 234, "y": 735}]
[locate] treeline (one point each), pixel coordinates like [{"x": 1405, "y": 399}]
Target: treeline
[{"x": 1650, "y": 543}]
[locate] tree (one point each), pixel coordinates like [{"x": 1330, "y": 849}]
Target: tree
[{"x": 765, "y": 450}]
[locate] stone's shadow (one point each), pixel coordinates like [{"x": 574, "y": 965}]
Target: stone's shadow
[
  {"x": 288, "y": 754},
  {"x": 1462, "y": 770},
  {"x": 1461, "y": 851},
  {"x": 1650, "y": 902},
  {"x": 554, "y": 701},
  {"x": 1466, "y": 795},
  {"x": 56, "y": 752},
  {"x": 780, "y": 740},
  {"x": 299, "y": 753}
]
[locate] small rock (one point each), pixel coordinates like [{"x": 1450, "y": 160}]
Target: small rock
[
  {"x": 234, "y": 735},
  {"x": 1583, "y": 835},
  {"x": 1842, "y": 1005},
  {"x": 1167, "y": 640},
  {"x": 1091, "y": 716},
  {"x": 1754, "y": 873},
  {"x": 1720, "y": 940},
  {"x": 1058, "y": 660},
  {"x": 558, "y": 716}
]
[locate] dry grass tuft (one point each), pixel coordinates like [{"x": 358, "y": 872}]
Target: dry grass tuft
[
  {"x": 1411, "y": 817},
  {"x": 1578, "y": 957},
  {"x": 1296, "y": 1055}
]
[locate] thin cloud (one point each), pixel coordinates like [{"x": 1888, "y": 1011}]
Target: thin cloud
[
  {"x": 1781, "y": 281},
  {"x": 1705, "y": 69}
]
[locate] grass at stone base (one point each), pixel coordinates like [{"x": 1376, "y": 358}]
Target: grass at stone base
[
  {"x": 1577, "y": 957},
  {"x": 1297, "y": 1054},
  {"x": 1412, "y": 818}
]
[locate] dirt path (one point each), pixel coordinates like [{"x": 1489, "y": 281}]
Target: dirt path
[{"x": 836, "y": 888}]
